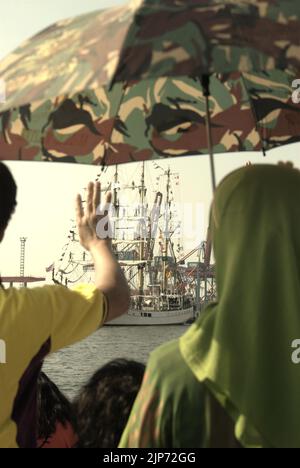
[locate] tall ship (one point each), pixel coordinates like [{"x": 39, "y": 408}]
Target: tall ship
[{"x": 144, "y": 233}]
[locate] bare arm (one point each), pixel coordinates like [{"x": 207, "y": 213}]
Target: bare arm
[{"x": 109, "y": 278}]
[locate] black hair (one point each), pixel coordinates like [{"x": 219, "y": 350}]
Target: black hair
[
  {"x": 8, "y": 194},
  {"x": 103, "y": 407},
  {"x": 52, "y": 407}
]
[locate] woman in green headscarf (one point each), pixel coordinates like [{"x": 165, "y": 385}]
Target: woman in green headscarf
[{"x": 239, "y": 353}]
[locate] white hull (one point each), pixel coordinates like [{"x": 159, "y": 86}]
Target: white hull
[{"x": 143, "y": 318}]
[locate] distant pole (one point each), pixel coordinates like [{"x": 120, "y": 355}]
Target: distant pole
[
  {"x": 141, "y": 267},
  {"x": 22, "y": 259},
  {"x": 167, "y": 234}
]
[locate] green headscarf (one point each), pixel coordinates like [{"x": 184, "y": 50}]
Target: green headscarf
[{"x": 241, "y": 346}]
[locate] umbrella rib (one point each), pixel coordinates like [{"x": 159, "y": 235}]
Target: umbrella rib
[{"x": 205, "y": 81}]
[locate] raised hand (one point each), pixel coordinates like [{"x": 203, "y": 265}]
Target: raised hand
[{"x": 89, "y": 218}]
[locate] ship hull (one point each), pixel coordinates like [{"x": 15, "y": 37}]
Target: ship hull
[{"x": 153, "y": 318}]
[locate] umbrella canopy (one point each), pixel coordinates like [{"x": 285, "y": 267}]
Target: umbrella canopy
[
  {"x": 58, "y": 109},
  {"x": 68, "y": 56},
  {"x": 197, "y": 37},
  {"x": 154, "y": 119},
  {"x": 157, "y": 38}
]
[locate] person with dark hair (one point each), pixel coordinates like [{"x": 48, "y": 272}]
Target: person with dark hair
[
  {"x": 55, "y": 427},
  {"x": 8, "y": 195},
  {"x": 104, "y": 404},
  {"x": 38, "y": 321}
]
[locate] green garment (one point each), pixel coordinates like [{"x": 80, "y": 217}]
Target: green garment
[
  {"x": 170, "y": 409},
  {"x": 241, "y": 347}
]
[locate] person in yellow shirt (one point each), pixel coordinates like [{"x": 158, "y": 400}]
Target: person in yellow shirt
[{"x": 39, "y": 321}]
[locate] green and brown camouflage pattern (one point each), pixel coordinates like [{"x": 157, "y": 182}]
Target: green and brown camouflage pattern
[
  {"x": 157, "y": 38},
  {"x": 154, "y": 119},
  {"x": 69, "y": 56},
  {"x": 189, "y": 38}
]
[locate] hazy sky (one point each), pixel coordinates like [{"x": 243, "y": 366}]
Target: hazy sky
[
  {"x": 20, "y": 19},
  {"x": 47, "y": 190}
]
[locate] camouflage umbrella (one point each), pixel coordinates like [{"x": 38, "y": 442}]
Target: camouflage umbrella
[
  {"x": 199, "y": 38},
  {"x": 57, "y": 107},
  {"x": 156, "y": 38}
]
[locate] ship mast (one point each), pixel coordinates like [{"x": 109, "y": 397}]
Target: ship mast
[
  {"x": 167, "y": 233},
  {"x": 115, "y": 192},
  {"x": 141, "y": 234},
  {"x": 153, "y": 227},
  {"x": 115, "y": 200}
]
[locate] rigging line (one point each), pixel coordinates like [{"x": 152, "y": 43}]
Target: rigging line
[
  {"x": 63, "y": 255},
  {"x": 77, "y": 279},
  {"x": 133, "y": 174},
  {"x": 65, "y": 272},
  {"x": 126, "y": 248},
  {"x": 180, "y": 201},
  {"x": 98, "y": 177},
  {"x": 151, "y": 179},
  {"x": 127, "y": 270},
  {"x": 79, "y": 263},
  {"x": 133, "y": 277}
]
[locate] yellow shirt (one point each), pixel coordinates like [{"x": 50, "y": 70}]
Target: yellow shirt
[{"x": 34, "y": 323}]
